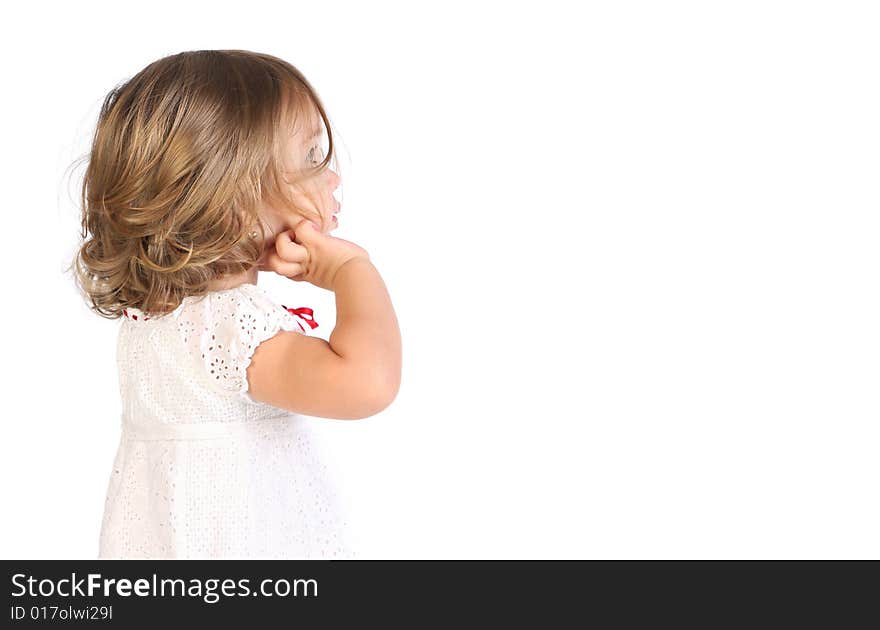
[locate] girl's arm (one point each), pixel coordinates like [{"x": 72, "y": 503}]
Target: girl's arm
[
  {"x": 356, "y": 375},
  {"x": 367, "y": 332}
]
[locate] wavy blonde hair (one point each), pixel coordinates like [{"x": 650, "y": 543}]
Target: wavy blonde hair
[{"x": 183, "y": 154}]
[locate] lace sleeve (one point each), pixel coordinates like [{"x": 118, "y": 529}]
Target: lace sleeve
[{"x": 224, "y": 328}]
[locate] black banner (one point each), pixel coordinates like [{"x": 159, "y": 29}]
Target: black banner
[{"x": 543, "y": 593}]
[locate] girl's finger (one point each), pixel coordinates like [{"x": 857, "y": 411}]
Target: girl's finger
[
  {"x": 283, "y": 267},
  {"x": 290, "y": 250}
]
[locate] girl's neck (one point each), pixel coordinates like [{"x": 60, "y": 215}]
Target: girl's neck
[{"x": 228, "y": 282}]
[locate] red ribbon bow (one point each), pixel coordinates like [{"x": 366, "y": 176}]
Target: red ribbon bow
[
  {"x": 302, "y": 312},
  {"x": 132, "y": 315}
]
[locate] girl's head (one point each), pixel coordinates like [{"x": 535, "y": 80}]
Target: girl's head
[{"x": 191, "y": 158}]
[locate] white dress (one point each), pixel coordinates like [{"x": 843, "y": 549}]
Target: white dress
[{"x": 202, "y": 470}]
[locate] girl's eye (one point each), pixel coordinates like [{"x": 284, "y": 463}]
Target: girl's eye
[{"x": 313, "y": 152}]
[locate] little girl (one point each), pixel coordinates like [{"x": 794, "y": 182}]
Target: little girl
[{"x": 206, "y": 167}]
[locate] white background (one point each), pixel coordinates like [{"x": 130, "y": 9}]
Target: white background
[{"x": 632, "y": 247}]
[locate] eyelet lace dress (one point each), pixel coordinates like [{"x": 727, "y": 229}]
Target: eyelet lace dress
[{"x": 203, "y": 470}]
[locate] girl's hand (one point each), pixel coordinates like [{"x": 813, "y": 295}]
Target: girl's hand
[{"x": 306, "y": 254}]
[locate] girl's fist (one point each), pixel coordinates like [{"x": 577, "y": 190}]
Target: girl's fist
[{"x": 306, "y": 254}]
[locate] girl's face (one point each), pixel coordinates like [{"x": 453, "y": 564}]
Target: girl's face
[{"x": 305, "y": 150}]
